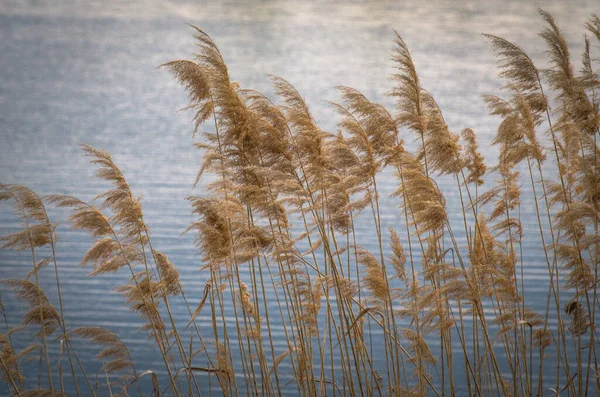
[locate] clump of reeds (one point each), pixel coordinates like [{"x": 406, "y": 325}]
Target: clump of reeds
[{"x": 422, "y": 313}]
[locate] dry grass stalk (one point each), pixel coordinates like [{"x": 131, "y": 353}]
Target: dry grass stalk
[{"x": 275, "y": 165}]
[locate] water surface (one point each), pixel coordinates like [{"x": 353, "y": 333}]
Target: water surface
[{"x": 87, "y": 72}]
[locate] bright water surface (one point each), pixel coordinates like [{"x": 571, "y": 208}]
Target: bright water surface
[{"x": 86, "y": 72}]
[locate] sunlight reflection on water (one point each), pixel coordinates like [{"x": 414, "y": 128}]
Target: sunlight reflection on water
[{"x": 75, "y": 73}]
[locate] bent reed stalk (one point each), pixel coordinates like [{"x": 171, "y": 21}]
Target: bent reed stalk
[{"x": 436, "y": 307}]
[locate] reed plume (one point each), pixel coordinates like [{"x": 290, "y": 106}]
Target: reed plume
[
  {"x": 115, "y": 355},
  {"x": 295, "y": 299}
]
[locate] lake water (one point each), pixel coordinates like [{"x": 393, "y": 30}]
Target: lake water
[{"x": 85, "y": 72}]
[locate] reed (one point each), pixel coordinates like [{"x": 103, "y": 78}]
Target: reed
[{"x": 438, "y": 306}]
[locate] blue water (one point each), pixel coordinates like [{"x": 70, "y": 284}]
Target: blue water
[{"x": 87, "y": 73}]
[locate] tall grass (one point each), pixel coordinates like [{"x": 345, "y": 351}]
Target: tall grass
[{"x": 437, "y": 307}]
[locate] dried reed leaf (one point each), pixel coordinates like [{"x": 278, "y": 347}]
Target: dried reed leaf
[
  {"x": 278, "y": 360},
  {"x": 155, "y": 387},
  {"x": 207, "y": 288}
]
